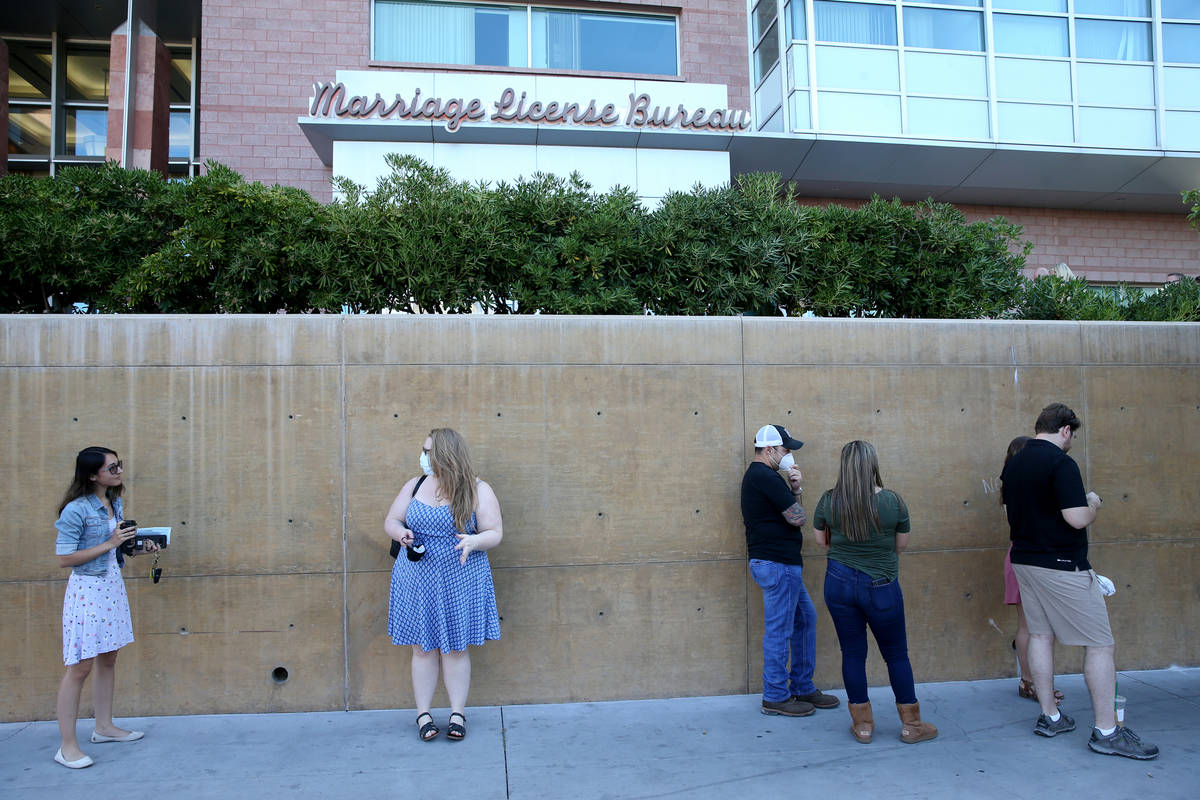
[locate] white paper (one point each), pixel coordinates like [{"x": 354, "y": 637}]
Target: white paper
[{"x": 164, "y": 531}]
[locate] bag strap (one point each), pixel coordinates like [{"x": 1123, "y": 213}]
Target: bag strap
[{"x": 416, "y": 486}]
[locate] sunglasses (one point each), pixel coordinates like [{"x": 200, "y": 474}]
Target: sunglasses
[{"x": 113, "y": 469}]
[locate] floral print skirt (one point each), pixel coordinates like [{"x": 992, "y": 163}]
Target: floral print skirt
[{"x": 95, "y": 615}]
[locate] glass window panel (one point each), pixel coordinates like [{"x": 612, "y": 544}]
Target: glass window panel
[
  {"x": 943, "y": 30},
  {"x": 855, "y": 23},
  {"x": 604, "y": 42},
  {"x": 1181, "y": 43},
  {"x": 87, "y": 74},
  {"x": 180, "y": 141},
  {"x": 1032, "y": 5},
  {"x": 29, "y": 131},
  {"x": 444, "y": 33},
  {"x": 1120, "y": 41},
  {"x": 767, "y": 54},
  {"x": 1114, "y": 8},
  {"x": 1034, "y": 36},
  {"x": 796, "y": 14},
  {"x": 764, "y": 15},
  {"x": 973, "y": 3},
  {"x": 28, "y": 71},
  {"x": 1181, "y": 9},
  {"x": 87, "y": 131},
  {"x": 181, "y": 77}
]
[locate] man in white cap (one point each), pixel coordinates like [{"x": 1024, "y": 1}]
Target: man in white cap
[{"x": 774, "y": 520}]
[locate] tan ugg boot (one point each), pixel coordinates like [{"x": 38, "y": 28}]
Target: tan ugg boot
[
  {"x": 912, "y": 729},
  {"x": 862, "y": 721}
]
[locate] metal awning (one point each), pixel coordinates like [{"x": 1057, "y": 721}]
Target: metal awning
[{"x": 822, "y": 165}]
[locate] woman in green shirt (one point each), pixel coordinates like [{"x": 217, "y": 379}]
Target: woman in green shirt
[{"x": 865, "y": 527}]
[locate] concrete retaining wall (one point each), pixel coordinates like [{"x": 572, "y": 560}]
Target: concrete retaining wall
[{"x": 274, "y": 446}]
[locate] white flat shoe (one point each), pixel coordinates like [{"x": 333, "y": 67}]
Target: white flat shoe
[
  {"x": 78, "y": 763},
  {"x": 132, "y": 736}
]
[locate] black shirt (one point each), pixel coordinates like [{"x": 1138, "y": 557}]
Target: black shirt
[
  {"x": 765, "y": 496},
  {"x": 1037, "y": 484}
]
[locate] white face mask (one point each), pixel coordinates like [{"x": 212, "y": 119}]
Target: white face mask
[
  {"x": 426, "y": 465},
  {"x": 787, "y": 462}
]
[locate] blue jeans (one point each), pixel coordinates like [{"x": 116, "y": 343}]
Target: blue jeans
[
  {"x": 789, "y": 622},
  {"x": 855, "y": 601}
]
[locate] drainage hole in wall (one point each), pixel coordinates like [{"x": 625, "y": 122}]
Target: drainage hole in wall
[
  {"x": 183, "y": 631},
  {"x": 279, "y": 674}
]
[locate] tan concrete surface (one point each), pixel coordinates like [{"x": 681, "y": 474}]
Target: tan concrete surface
[{"x": 274, "y": 445}]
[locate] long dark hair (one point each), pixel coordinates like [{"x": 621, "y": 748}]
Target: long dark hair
[
  {"x": 1014, "y": 447},
  {"x": 853, "y": 497},
  {"x": 89, "y": 462}
]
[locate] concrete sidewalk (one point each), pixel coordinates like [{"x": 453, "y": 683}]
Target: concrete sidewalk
[{"x": 703, "y": 747}]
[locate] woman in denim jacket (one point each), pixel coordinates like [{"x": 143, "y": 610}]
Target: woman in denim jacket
[{"x": 96, "y": 621}]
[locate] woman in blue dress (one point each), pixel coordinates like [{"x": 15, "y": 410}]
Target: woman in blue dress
[{"x": 444, "y": 600}]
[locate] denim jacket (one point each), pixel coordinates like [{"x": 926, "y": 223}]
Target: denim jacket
[{"x": 83, "y": 524}]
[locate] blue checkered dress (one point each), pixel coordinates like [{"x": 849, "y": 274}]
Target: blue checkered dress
[{"x": 436, "y": 602}]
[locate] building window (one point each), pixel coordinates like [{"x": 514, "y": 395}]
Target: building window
[
  {"x": 1116, "y": 41},
  {"x": 1059, "y": 6},
  {"x": 1113, "y": 8},
  {"x": 1031, "y": 36},
  {"x": 58, "y": 105},
  {"x": 1180, "y": 9},
  {"x": 1181, "y": 43},
  {"x": 797, "y": 27},
  {"x": 942, "y": 29},
  {"x": 30, "y": 78},
  {"x": 525, "y": 36},
  {"x": 766, "y": 39},
  {"x": 85, "y": 96},
  {"x": 855, "y": 23}
]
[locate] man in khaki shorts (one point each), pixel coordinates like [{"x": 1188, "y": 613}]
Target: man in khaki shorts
[{"x": 1048, "y": 514}]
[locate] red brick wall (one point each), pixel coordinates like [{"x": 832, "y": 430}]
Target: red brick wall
[
  {"x": 1102, "y": 246},
  {"x": 259, "y": 59},
  {"x": 1105, "y": 246}
]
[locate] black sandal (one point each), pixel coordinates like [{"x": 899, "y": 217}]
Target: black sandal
[
  {"x": 454, "y": 731},
  {"x": 428, "y": 732}
]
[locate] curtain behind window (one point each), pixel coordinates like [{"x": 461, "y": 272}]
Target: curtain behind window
[
  {"x": 857, "y": 23},
  {"x": 424, "y": 32}
]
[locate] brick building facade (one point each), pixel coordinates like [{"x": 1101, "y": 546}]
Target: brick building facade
[{"x": 244, "y": 71}]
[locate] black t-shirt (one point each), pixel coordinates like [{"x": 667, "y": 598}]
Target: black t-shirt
[
  {"x": 765, "y": 496},
  {"x": 1037, "y": 484}
]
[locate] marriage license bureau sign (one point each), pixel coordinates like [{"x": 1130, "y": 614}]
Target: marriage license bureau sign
[{"x": 332, "y": 100}]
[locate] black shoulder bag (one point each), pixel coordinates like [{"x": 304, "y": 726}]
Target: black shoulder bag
[{"x": 395, "y": 549}]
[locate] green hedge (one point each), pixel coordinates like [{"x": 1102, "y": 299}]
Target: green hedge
[{"x": 115, "y": 240}]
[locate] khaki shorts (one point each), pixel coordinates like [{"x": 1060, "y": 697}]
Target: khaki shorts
[{"x": 1067, "y": 605}]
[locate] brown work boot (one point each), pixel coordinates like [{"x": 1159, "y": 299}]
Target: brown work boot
[
  {"x": 862, "y": 721},
  {"x": 819, "y": 699},
  {"x": 912, "y": 729},
  {"x": 788, "y": 708}
]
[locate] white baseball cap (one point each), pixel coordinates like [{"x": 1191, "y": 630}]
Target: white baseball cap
[{"x": 776, "y": 436}]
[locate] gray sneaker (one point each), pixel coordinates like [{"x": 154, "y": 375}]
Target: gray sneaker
[
  {"x": 1122, "y": 742},
  {"x": 788, "y": 708},
  {"x": 1045, "y": 727}
]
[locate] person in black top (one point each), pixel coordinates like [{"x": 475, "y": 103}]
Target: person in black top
[
  {"x": 1048, "y": 514},
  {"x": 774, "y": 517}
]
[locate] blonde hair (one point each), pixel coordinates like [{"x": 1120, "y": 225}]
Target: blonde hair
[
  {"x": 455, "y": 474},
  {"x": 853, "y": 497}
]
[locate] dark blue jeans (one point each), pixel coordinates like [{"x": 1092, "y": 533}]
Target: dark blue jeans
[
  {"x": 855, "y": 602},
  {"x": 789, "y": 626}
]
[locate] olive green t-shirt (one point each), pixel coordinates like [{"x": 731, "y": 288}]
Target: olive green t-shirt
[{"x": 877, "y": 555}]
